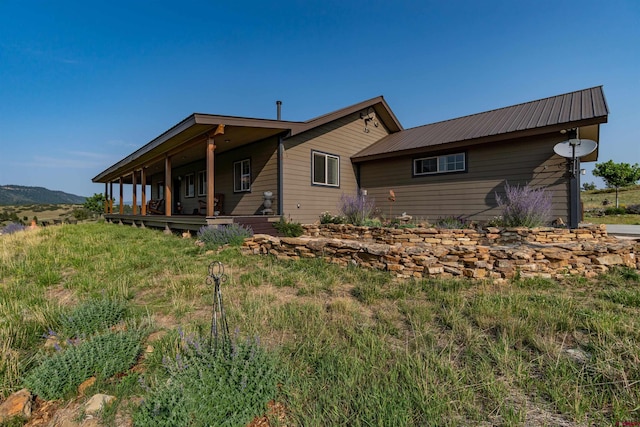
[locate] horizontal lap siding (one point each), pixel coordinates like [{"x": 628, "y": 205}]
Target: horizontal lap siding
[
  {"x": 343, "y": 137},
  {"x": 264, "y": 177},
  {"x": 472, "y": 193}
]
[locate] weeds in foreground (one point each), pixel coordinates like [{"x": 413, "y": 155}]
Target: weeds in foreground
[{"x": 351, "y": 346}]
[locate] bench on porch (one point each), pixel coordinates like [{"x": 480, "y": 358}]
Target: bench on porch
[
  {"x": 155, "y": 206},
  {"x": 218, "y": 205}
]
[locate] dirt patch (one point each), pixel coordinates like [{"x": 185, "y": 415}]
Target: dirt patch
[{"x": 61, "y": 295}]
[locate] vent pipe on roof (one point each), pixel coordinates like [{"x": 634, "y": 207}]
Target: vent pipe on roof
[{"x": 279, "y": 108}]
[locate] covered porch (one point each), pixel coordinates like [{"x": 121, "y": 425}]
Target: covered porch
[{"x": 205, "y": 170}]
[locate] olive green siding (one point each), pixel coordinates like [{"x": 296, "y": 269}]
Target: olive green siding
[
  {"x": 264, "y": 177},
  {"x": 471, "y": 193},
  {"x": 303, "y": 201}
]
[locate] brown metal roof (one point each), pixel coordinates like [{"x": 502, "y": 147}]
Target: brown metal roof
[{"x": 580, "y": 108}]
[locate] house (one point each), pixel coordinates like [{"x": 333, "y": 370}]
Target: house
[{"x": 212, "y": 169}]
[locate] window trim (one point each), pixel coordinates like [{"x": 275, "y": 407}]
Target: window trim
[
  {"x": 437, "y": 157},
  {"x": 187, "y": 178},
  {"x": 202, "y": 184},
  {"x": 240, "y": 189},
  {"x": 326, "y": 170}
]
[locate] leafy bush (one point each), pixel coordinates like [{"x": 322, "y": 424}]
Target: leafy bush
[
  {"x": 92, "y": 316},
  {"x": 81, "y": 214},
  {"x": 12, "y": 228},
  {"x": 633, "y": 209},
  {"x": 205, "y": 387},
  {"x": 615, "y": 211},
  {"x": 328, "y": 218},
  {"x": 215, "y": 236},
  {"x": 525, "y": 206},
  {"x": 288, "y": 229},
  {"x": 103, "y": 356},
  {"x": 451, "y": 222},
  {"x": 356, "y": 209},
  {"x": 95, "y": 204}
]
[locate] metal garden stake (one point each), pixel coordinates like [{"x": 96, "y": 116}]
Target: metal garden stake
[{"x": 219, "y": 338}]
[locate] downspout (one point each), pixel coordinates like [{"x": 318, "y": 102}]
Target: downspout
[{"x": 280, "y": 176}]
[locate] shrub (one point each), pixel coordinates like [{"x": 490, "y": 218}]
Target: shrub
[
  {"x": 525, "y": 206},
  {"x": 207, "y": 387},
  {"x": 103, "y": 356},
  {"x": 81, "y": 214},
  {"x": 288, "y": 229},
  {"x": 615, "y": 211},
  {"x": 356, "y": 209},
  {"x": 633, "y": 209},
  {"x": 328, "y": 218},
  {"x": 215, "y": 236},
  {"x": 451, "y": 222},
  {"x": 12, "y": 228}
]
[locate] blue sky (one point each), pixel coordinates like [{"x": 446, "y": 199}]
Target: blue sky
[{"x": 83, "y": 84}]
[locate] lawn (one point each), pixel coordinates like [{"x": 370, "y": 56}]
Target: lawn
[{"x": 326, "y": 345}]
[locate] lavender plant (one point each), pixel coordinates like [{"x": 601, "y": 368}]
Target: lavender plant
[
  {"x": 452, "y": 222},
  {"x": 12, "y": 228},
  {"x": 233, "y": 234},
  {"x": 356, "y": 209},
  {"x": 207, "y": 387},
  {"x": 525, "y": 206}
]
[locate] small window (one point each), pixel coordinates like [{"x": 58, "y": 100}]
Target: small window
[
  {"x": 242, "y": 176},
  {"x": 161, "y": 190},
  {"x": 325, "y": 169},
  {"x": 189, "y": 184},
  {"x": 439, "y": 164},
  {"x": 202, "y": 183}
]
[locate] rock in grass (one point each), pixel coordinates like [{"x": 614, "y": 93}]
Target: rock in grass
[
  {"x": 97, "y": 402},
  {"x": 18, "y": 404}
]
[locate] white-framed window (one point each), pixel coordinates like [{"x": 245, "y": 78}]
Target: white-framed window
[
  {"x": 325, "y": 169},
  {"x": 202, "y": 183},
  {"x": 242, "y": 176},
  {"x": 440, "y": 164},
  {"x": 189, "y": 186}
]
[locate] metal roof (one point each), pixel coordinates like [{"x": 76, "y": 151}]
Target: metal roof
[{"x": 580, "y": 108}]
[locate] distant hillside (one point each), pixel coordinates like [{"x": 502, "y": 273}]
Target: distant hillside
[{"x": 21, "y": 195}]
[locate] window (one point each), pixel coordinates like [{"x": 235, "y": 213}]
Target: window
[
  {"x": 242, "y": 176},
  {"x": 189, "y": 185},
  {"x": 161, "y": 190},
  {"x": 439, "y": 164},
  {"x": 202, "y": 183},
  {"x": 325, "y": 169}
]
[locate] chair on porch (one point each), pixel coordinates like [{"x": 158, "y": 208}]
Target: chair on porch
[
  {"x": 155, "y": 206},
  {"x": 218, "y": 205}
]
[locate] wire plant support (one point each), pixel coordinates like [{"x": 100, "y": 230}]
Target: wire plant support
[{"x": 219, "y": 338}]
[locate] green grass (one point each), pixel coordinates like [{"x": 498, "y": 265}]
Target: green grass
[
  {"x": 626, "y": 196},
  {"x": 346, "y": 346}
]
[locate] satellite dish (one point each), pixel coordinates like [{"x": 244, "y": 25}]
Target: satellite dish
[{"x": 575, "y": 148}]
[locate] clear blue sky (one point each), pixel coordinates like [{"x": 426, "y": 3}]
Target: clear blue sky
[{"x": 83, "y": 84}]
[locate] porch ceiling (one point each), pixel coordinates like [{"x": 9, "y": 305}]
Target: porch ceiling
[{"x": 187, "y": 141}]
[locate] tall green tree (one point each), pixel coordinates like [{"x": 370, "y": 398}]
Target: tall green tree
[
  {"x": 95, "y": 203},
  {"x": 617, "y": 175}
]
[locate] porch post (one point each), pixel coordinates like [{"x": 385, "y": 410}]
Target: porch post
[
  {"x": 143, "y": 182},
  {"x": 167, "y": 185},
  {"x": 106, "y": 197},
  {"x": 121, "y": 196},
  {"x": 211, "y": 157},
  {"x": 211, "y": 163},
  {"x": 110, "y": 197},
  {"x": 135, "y": 193}
]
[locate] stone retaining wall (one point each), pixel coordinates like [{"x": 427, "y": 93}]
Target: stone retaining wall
[{"x": 494, "y": 253}]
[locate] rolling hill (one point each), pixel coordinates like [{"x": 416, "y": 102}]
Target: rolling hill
[{"x": 22, "y": 195}]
